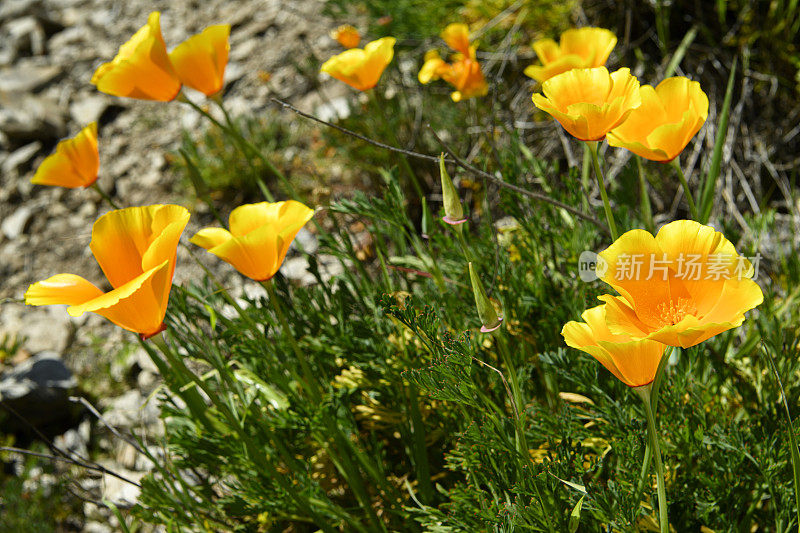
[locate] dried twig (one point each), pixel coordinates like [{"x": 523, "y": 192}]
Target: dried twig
[{"x": 453, "y": 159}]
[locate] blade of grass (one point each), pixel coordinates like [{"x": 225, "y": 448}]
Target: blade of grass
[
  {"x": 709, "y": 184},
  {"x": 677, "y": 57},
  {"x": 792, "y": 438}
]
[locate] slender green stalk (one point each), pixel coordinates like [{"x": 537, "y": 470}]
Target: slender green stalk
[
  {"x": 709, "y": 183},
  {"x": 644, "y": 393},
  {"x": 654, "y": 395},
  {"x": 686, "y": 191},
  {"x": 585, "y": 169},
  {"x": 381, "y": 106},
  {"x": 420, "y": 449},
  {"x": 603, "y": 194},
  {"x": 644, "y": 197},
  {"x": 519, "y": 402},
  {"x": 309, "y": 380},
  {"x": 172, "y": 368},
  {"x": 795, "y": 455},
  {"x": 105, "y": 195},
  {"x": 272, "y": 168}
]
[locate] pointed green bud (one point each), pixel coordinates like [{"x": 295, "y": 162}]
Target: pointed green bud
[
  {"x": 489, "y": 319},
  {"x": 453, "y": 211}
]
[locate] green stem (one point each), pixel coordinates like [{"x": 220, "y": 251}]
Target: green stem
[
  {"x": 272, "y": 168},
  {"x": 309, "y": 381},
  {"x": 585, "y": 168},
  {"x": 381, "y": 106},
  {"x": 644, "y": 393},
  {"x": 654, "y": 395},
  {"x": 644, "y": 198},
  {"x": 243, "y": 144},
  {"x": 105, "y": 195},
  {"x": 420, "y": 449},
  {"x": 519, "y": 402},
  {"x": 601, "y": 183},
  {"x": 687, "y": 192}
]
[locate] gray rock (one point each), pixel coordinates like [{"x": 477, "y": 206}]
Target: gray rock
[
  {"x": 14, "y": 225},
  {"x": 88, "y": 109},
  {"x": 296, "y": 269},
  {"x": 305, "y": 241},
  {"x": 27, "y": 78},
  {"x": 42, "y": 328},
  {"x": 25, "y": 118},
  {"x": 24, "y": 36},
  {"x": 10, "y": 9},
  {"x": 19, "y": 158},
  {"x": 131, "y": 410},
  {"x": 38, "y": 390}
]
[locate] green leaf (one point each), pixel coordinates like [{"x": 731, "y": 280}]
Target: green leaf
[
  {"x": 575, "y": 516},
  {"x": 710, "y": 183}
]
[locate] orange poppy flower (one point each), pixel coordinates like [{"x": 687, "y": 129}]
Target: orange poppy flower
[
  {"x": 670, "y": 115},
  {"x": 136, "y": 248},
  {"x": 361, "y": 69},
  {"x": 347, "y": 36},
  {"x": 200, "y": 60},
  {"x": 142, "y": 68},
  {"x": 634, "y": 362},
  {"x": 590, "y": 102},
  {"x": 259, "y": 237},
  {"x": 680, "y": 287},
  {"x": 577, "y": 48},
  {"x": 75, "y": 162},
  {"x": 464, "y": 73}
]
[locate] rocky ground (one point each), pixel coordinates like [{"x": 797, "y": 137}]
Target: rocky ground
[{"x": 48, "y": 52}]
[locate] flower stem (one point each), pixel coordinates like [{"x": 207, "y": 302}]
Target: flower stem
[
  {"x": 648, "y": 450},
  {"x": 105, "y": 195},
  {"x": 644, "y": 198},
  {"x": 311, "y": 385},
  {"x": 644, "y": 393},
  {"x": 601, "y": 183},
  {"x": 380, "y": 104},
  {"x": 686, "y": 191}
]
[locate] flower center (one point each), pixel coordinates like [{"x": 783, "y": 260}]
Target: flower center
[{"x": 673, "y": 312}]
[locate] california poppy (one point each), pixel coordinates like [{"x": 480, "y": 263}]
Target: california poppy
[
  {"x": 590, "y": 102},
  {"x": 142, "y": 68},
  {"x": 634, "y": 362},
  {"x": 464, "y": 73},
  {"x": 669, "y": 116},
  {"x": 347, "y": 36},
  {"x": 136, "y": 248},
  {"x": 259, "y": 236},
  {"x": 577, "y": 48},
  {"x": 200, "y": 60},
  {"x": 75, "y": 162},
  {"x": 361, "y": 68},
  {"x": 680, "y": 287}
]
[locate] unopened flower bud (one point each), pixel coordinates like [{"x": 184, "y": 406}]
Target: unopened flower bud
[
  {"x": 453, "y": 211},
  {"x": 486, "y": 311}
]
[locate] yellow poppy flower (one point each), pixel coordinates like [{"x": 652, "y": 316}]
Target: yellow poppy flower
[
  {"x": 142, "y": 68},
  {"x": 680, "y": 287},
  {"x": 136, "y": 248},
  {"x": 634, "y": 362},
  {"x": 259, "y": 236},
  {"x": 75, "y": 162},
  {"x": 577, "y": 48},
  {"x": 464, "y": 73},
  {"x": 590, "y": 102},
  {"x": 347, "y": 36},
  {"x": 670, "y": 115},
  {"x": 361, "y": 68},
  {"x": 200, "y": 60}
]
